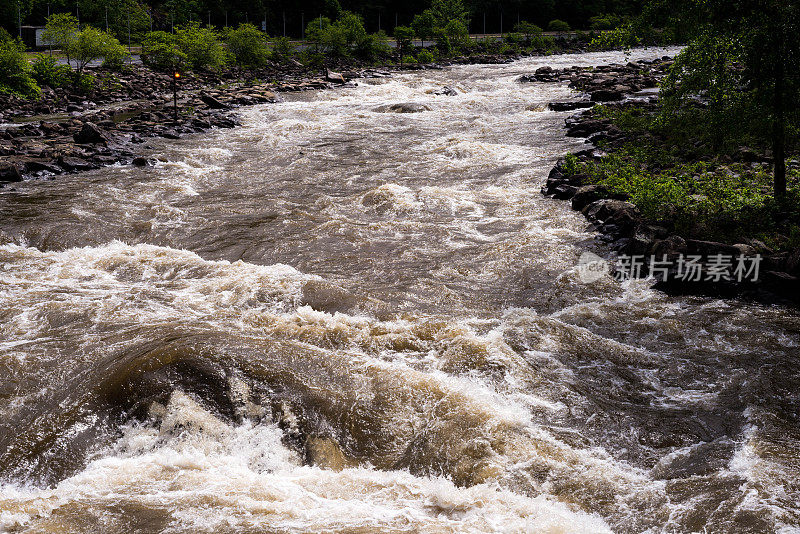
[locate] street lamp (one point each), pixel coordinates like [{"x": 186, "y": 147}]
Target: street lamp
[{"x": 175, "y": 76}]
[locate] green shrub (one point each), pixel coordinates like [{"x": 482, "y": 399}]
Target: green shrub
[
  {"x": 409, "y": 60},
  {"x": 424, "y": 56},
  {"x": 202, "y": 46},
  {"x": 373, "y": 46},
  {"x": 161, "y": 52},
  {"x": 443, "y": 45},
  {"x": 15, "y": 76},
  {"x": 85, "y": 83},
  {"x": 557, "y": 25},
  {"x": 282, "y": 48},
  {"x": 47, "y": 71},
  {"x": 248, "y": 46}
]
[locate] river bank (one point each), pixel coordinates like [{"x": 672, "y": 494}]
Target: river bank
[{"x": 629, "y": 185}]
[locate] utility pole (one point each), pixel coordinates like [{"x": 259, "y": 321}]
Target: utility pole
[
  {"x": 129, "y": 35},
  {"x": 484, "y": 25},
  {"x": 501, "y": 25},
  {"x": 395, "y": 19},
  {"x": 49, "y": 43},
  {"x": 77, "y": 14},
  {"x": 106, "y": 19},
  {"x": 284, "y": 23},
  {"x": 226, "y": 19},
  {"x": 379, "y": 21},
  {"x": 209, "y": 18},
  {"x": 303, "y": 25},
  {"x": 19, "y": 19}
]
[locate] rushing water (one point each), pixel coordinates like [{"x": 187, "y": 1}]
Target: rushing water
[{"x": 335, "y": 319}]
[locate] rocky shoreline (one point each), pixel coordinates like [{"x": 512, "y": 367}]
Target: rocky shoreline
[{"x": 662, "y": 253}]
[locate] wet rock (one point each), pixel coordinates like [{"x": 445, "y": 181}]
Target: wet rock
[
  {"x": 446, "y": 91},
  {"x": 587, "y": 194},
  {"x": 711, "y": 248},
  {"x": 9, "y": 173},
  {"x": 90, "y": 134},
  {"x": 606, "y": 95},
  {"x": 327, "y": 297},
  {"x": 568, "y": 106},
  {"x": 212, "y": 102},
  {"x": 334, "y": 77},
  {"x": 405, "y": 107},
  {"x": 74, "y": 164},
  {"x": 141, "y": 161}
]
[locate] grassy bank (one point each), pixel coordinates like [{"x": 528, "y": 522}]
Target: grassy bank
[{"x": 679, "y": 178}]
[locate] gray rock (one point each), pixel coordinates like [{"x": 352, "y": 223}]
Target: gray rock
[
  {"x": 405, "y": 107},
  {"x": 9, "y": 173},
  {"x": 91, "y": 134}
]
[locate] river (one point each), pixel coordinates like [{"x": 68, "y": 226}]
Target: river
[{"x": 335, "y": 319}]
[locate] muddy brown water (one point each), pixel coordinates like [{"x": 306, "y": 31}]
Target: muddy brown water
[{"x": 335, "y": 319}]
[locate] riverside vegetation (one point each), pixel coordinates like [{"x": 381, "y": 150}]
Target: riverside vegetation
[{"x": 711, "y": 166}]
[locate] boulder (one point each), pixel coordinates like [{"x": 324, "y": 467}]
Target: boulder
[
  {"x": 334, "y": 77},
  {"x": 587, "y": 194},
  {"x": 91, "y": 134},
  {"x": 568, "y": 106},
  {"x": 446, "y": 91},
  {"x": 405, "y": 107},
  {"x": 9, "y": 172},
  {"x": 72, "y": 164},
  {"x": 212, "y": 102},
  {"x": 606, "y": 95}
]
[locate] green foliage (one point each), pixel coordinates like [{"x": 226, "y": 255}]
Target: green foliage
[
  {"x": 443, "y": 45},
  {"x": 15, "y": 76},
  {"x": 47, "y": 71},
  {"x": 373, "y": 46},
  {"x": 161, "y": 52},
  {"x": 120, "y": 15},
  {"x": 403, "y": 35},
  {"x": 409, "y": 60},
  {"x": 424, "y": 25},
  {"x": 424, "y": 56},
  {"x": 282, "y": 48},
  {"x": 91, "y": 44},
  {"x": 446, "y": 11},
  {"x": 202, "y": 46},
  {"x": 622, "y": 37},
  {"x": 248, "y": 46},
  {"x": 605, "y": 22},
  {"x": 60, "y": 31},
  {"x": 457, "y": 32},
  {"x": 530, "y": 31},
  {"x": 557, "y": 25}
]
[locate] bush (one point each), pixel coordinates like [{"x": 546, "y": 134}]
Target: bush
[
  {"x": 248, "y": 46},
  {"x": 409, "y": 60},
  {"x": 282, "y": 48},
  {"x": 15, "y": 76},
  {"x": 424, "y": 56},
  {"x": 201, "y": 45},
  {"x": 558, "y": 26},
  {"x": 161, "y": 52},
  {"x": 47, "y": 71},
  {"x": 373, "y": 46},
  {"x": 443, "y": 44}
]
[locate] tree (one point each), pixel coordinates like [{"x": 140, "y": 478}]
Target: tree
[
  {"x": 743, "y": 55},
  {"x": 445, "y": 11},
  {"x": 403, "y": 35},
  {"x": 201, "y": 45},
  {"x": 424, "y": 25},
  {"x": 91, "y": 44},
  {"x": 60, "y": 30},
  {"x": 160, "y": 51}
]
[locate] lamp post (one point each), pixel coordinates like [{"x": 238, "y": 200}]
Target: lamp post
[{"x": 175, "y": 76}]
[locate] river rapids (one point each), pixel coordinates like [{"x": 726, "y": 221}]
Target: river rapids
[{"x": 333, "y": 319}]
